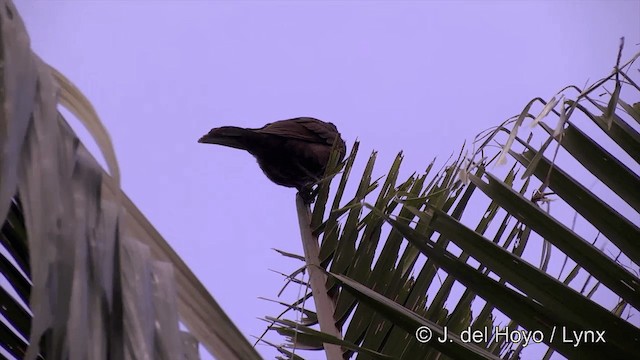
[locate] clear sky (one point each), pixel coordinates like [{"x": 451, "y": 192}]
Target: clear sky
[{"x": 418, "y": 76}]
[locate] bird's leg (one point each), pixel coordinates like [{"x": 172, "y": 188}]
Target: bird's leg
[
  {"x": 308, "y": 194},
  {"x": 313, "y": 192}
]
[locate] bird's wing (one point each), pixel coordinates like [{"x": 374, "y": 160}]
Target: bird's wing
[{"x": 306, "y": 129}]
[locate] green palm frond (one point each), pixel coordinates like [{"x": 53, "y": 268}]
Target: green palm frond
[{"x": 456, "y": 248}]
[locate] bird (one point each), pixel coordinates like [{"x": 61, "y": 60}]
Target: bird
[{"x": 292, "y": 153}]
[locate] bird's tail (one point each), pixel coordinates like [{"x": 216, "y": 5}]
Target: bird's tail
[{"x": 231, "y": 136}]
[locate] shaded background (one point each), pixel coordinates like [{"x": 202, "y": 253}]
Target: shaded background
[{"x": 417, "y": 76}]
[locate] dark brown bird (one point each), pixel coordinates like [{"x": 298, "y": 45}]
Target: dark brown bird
[{"x": 292, "y": 153}]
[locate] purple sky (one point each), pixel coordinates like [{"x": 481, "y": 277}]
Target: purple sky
[{"x": 419, "y": 76}]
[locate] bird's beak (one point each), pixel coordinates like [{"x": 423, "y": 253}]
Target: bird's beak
[{"x": 205, "y": 139}]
